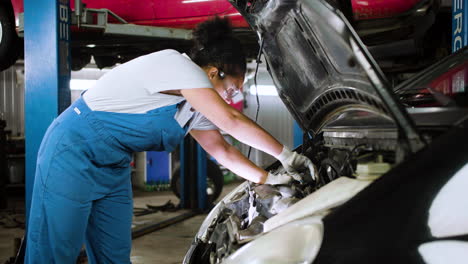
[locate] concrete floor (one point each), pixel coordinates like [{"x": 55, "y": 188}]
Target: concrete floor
[
  {"x": 7, "y": 236},
  {"x": 166, "y": 246}
]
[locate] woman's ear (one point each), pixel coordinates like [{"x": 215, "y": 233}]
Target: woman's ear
[{"x": 212, "y": 72}]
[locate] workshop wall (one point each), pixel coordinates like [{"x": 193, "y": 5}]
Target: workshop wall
[
  {"x": 12, "y": 99},
  {"x": 273, "y": 117}
]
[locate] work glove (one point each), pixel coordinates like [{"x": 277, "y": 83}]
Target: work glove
[
  {"x": 294, "y": 162},
  {"x": 277, "y": 179}
]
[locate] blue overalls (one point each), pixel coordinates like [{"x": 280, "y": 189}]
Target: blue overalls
[{"x": 82, "y": 190}]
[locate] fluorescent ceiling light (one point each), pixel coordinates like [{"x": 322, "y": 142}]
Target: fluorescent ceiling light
[
  {"x": 264, "y": 90},
  {"x": 81, "y": 85}
]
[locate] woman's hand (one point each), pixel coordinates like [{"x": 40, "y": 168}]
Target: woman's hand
[
  {"x": 278, "y": 179},
  {"x": 294, "y": 162}
]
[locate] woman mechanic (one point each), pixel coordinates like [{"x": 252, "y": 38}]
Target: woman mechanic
[{"x": 82, "y": 191}]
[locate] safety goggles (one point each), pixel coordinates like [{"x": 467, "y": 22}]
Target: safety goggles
[{"x": 231, "y": 91}]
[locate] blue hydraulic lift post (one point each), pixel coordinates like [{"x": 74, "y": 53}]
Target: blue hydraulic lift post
[
  {"x": 201, "y": 177},
  {"x": 193, "y": 175},
  {"x": 47, "y": 74},
  {"x": 182, "y": 190},
  {"x": 459, "y": 24}
]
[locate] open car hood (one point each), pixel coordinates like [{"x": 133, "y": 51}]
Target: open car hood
[{"x": 319, "y": 65}]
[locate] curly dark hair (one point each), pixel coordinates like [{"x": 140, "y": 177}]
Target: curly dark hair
[{"x": 215, "y": 45}]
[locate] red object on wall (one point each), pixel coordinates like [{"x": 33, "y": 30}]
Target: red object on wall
[{"x": 452, "y": 82}]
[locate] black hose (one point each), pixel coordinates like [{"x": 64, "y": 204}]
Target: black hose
[{"x": 260, "y": 51}]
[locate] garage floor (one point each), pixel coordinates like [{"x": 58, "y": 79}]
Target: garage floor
[{"x": 165, "y": 246}]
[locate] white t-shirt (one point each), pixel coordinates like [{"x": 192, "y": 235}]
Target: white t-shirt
[{"x": 134, "y": 87}]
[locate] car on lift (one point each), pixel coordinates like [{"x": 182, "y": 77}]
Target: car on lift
[
  {"x": 173, "y": 14},
  {"x": 392, "y": 163},
  {"x": 396, "y": 31},
  {"x": 403, "y": 36}
]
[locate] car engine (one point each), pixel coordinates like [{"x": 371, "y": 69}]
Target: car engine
[{"x": 242, "y": 218}]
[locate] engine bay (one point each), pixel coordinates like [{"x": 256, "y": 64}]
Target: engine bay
[{"x": 242, "y": 218}]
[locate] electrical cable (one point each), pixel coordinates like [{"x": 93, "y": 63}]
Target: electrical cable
[
  {"x": 348, "y": 156},
  {"x": 256, "y": 88}
]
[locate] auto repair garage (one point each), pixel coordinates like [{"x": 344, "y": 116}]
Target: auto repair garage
[{"x": 233, "y": 131}]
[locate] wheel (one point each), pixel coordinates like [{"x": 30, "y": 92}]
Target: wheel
[
  {"x": 214, "y": 182},
  {"x": 79, "y": 60},
  {"x": 105, "y": 61},
  {"x": 9, "y": 50}
]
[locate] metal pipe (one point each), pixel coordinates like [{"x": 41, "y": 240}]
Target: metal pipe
[{"x": 78, "y": 11}]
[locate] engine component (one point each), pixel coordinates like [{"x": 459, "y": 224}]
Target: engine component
[
  {"x": 372, "y": 170},
  {"x": 242, "y": 219}
]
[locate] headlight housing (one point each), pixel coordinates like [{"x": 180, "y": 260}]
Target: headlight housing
[
  {"x": 296, "y": 242},
  {"x": 213, "y": 215}
]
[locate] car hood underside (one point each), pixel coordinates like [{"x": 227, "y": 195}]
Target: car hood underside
[{"x": 318, "y": 63}]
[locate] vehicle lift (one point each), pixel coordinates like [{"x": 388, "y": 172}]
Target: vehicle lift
[
  {"x": 98, "y": 19},
  {"x": 47, "y": 91}
]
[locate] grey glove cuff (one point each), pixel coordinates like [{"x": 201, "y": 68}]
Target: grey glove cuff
[
  {"x": 285, "y": 153},
  {"x": 278, "y": 179}
]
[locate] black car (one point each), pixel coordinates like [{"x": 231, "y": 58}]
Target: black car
[{"x": 393, "y": 163}]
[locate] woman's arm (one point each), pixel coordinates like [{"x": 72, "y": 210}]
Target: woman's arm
[
  {"x": 213, "y": 142},
  {"x": 208, "y": 102}
]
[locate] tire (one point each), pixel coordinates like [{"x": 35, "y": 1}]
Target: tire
[
  {"x": 79, "y": 60},
  {"x": 105, "y": 61},
  {"x": 9, "y": 48},
  {"x": 215, "y": 181}
]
